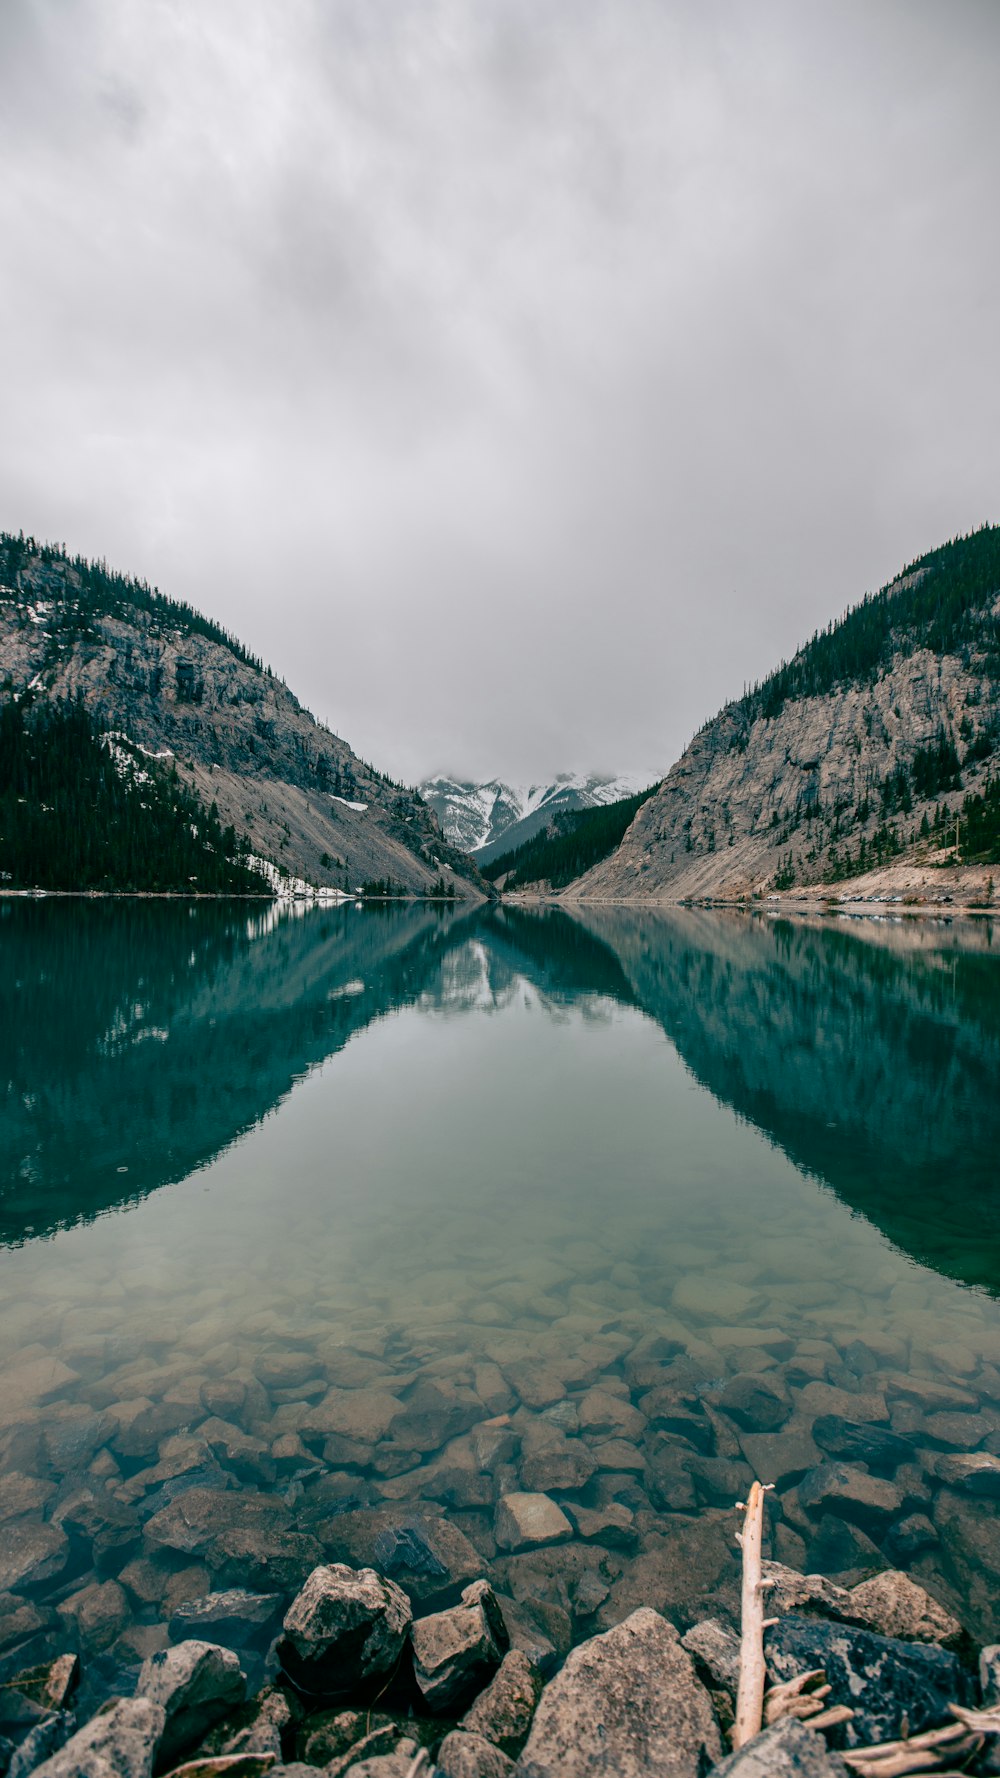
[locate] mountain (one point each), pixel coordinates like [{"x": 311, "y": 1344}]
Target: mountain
[
  {"x": 174, "y": 689},
  {"x": 570, "y": 843},
  {"x": 495, "y": 817},
  {"x": 865, "y": 748}
]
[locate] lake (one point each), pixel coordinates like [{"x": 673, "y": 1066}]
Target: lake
[{"x": 325, "y": 1232}]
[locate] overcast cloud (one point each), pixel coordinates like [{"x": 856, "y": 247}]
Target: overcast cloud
[{"x": 518, "y": 377}]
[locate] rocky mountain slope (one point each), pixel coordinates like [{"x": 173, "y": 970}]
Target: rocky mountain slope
[
  {"x": 176, "y": 684},
  {"x": 867, "y": 746},
  {"x": 493, "y": 817}
]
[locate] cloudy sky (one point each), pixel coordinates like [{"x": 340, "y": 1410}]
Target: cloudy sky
[{"x": 519, "y": 377}]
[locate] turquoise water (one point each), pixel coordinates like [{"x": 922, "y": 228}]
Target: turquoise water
[{"x": 248, "y": 1159}]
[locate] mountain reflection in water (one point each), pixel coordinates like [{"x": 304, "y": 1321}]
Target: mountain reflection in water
[{"x": 143, "y": 1038}]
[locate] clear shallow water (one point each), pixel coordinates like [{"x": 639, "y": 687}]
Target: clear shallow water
[{"x": 292, "y": 1205}]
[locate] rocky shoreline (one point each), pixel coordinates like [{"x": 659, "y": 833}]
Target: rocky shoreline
[{"x": 354, "y": 1681}]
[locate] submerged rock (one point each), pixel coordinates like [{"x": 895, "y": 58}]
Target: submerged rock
[
  {"x": 456, "y": 1651},
  {"x": 627, "y": 1702},
  {"x": 234, "y": 1618},
  {"x": 346, "y": 1626},
  {"x": 524, "y": 1521}
]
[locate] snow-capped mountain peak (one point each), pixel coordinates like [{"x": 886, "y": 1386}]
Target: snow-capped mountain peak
[{"x": 492, "y": 816}]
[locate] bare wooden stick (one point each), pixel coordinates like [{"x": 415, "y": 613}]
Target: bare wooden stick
[{"x": 750, "y": 1691}]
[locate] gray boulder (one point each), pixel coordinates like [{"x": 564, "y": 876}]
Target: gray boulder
[
  {"x": 455, "y": 1652},
  {"x": 888, "y": 1684},
  {"x": 786, "y": 1750},
  {"x": 346, "y": 1626},
  {"x": 195, "y": 1684},
  {"x": 119, "y": 1742},
  {"x": 627, "y": 1702}
]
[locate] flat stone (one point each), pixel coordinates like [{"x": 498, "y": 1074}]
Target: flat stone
[
  {"x": 668, "y": 1410},
  {"x": 691, "y": 1562},
  {"x": 19, "y": 1619},
  {"x": 894, "y": 1605},
  {"x": 857, "y": 1441},
  {"x": 195, "y": 1684},
  {"x": 119, "y": 1742},
  {"x": 747, "y": 1339},
  {"x": 616, "y": 1455},
  {"x": 434, "y": 1412},
  {"x": 286, "y": 1370},
  {"x": 98, "y": 1614},
  {"x": 716, "y": 1648},
  {"x": 627, "y": 1702},
  {"x": 536, "y": 1383},
  {"x": 888, "y": 1684},
  {"x": 956, "y": 1431},
  {"x": 462, "y": 1755},
  {"x": 362, "y": 1414},
  {"x": 24, "y": 1385},
  {"x": 502, "y": 1714},
  {"x": 234, "y": 1618},
  {"x": 456, "y": 1652},
  {"x": 612, "y": 1525},
  {"x": 523, "y": 1521},
  {"x": 429, "y": 1556},
  {"x": 929, "y": 1393},
  {"x": 974, "y": 1472},
  {"x": 551, "y": 1460},
  {"x": 22, "y": 1494},
  {"x": 199, "y": 1518},
  {"x": 609, "y": 1416},
  {"x": 713, "y": 1299},
  {"x": 788, "y": 1749},
  {"x": 819, "y": 1399},
  {"x": 756, "y": 1403},
  {"x": 782, "y": 1457},
  {"x": 851, "y": 1493},
  {"x": 346, "y": 1626},
  {"x": 30, "y": 1554}
]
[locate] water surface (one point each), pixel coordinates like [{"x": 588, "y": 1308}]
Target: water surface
[{"x": 674, "y": 1195}]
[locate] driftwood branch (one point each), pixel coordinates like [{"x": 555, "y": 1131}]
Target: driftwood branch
[{"x": 750, "y": 1691}]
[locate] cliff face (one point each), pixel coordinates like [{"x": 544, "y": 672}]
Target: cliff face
[
  {"x": 178, "y": 685},
  {"x": 833, "y": 765}
]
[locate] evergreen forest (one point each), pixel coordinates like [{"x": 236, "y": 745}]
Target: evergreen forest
[
  {"x": 944, "y": 602},
  {"x": 83, "y": 810}
]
